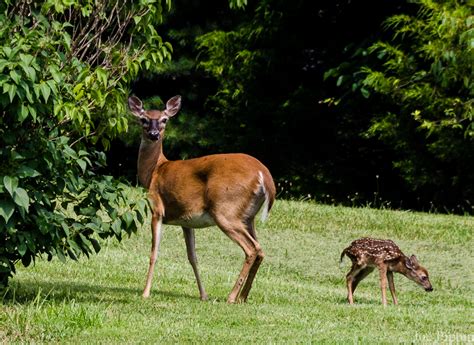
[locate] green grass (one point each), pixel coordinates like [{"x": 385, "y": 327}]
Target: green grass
[{"x": 299, "y": 294}]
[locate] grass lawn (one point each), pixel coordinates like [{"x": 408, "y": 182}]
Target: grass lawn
[{"x": 298, "y": 296}]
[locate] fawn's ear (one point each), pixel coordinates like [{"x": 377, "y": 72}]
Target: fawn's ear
[
  {"x": 136, "y": 106},
  {"x": 414, "y": 260},
  {"x": 173, "y": 106},
  {"x": 409, "y": 263}
]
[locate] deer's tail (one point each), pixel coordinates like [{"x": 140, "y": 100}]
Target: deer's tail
[
  {"x": 268, "y": 188},
  {"x": 342, "y": 257}
]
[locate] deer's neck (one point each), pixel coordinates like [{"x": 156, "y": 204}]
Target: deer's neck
[
  {"x": 400, "y": 266},
  {"x": 150, "y": 155}
]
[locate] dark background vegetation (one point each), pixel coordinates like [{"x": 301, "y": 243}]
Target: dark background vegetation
[{"x": 258, "y": 80}]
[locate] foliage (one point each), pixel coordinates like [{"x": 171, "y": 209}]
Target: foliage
[
  {"x": 257, "y": 82},
  {"x": 65, "y": 69},
  {"x": 423, "y": 77},
  {"x": 260, "y": 80}
]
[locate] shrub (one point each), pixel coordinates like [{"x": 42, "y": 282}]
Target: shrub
[{"x": 65, "y": 67}]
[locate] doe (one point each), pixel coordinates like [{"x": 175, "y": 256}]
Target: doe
[
  {"x": 367, "y": 253},
  {"x": 226, "y": 190}
]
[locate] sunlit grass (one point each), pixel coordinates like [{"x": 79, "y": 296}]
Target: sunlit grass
[{"x": 298, "y": 295}]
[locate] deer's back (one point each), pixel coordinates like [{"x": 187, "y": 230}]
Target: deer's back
[
  {"x": 195, "y": 187},
  {"x": 372, "y": 250}
]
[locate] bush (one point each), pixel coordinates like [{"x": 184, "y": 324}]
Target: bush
[{"x": 63, "y": 88}]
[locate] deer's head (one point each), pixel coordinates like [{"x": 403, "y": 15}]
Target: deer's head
[
  {"x": 154, "y": 121},
  {"x": 417, "y": 273}
]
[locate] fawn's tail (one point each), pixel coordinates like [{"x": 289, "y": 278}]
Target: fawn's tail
[{"x": 342, "y": 257}]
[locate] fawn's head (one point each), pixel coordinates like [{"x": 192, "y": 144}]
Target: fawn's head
[
  {"x": 414, "y": 271},
  {"x": 154, "y": 121}
]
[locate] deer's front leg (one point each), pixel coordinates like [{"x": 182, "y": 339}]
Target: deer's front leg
[
  {"x": 156, "y": 232},
  {"x": 383, "y": 283},
  {"x": 191, "y": 250},
  {"x": 391, "y": 285}
]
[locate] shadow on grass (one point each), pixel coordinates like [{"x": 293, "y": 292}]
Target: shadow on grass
[
  {"x": 360, "y": 301},
  {"x": 27, "y": 292}
]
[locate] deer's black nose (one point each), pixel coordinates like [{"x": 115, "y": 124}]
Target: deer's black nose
[
  {"x": 154, "y": 134},
  {"x": 429, "y": 289}
]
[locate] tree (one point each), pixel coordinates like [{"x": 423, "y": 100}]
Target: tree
[
  {"x": 263, "y": 73},
  {"x": 424, "y": 76},
  {"x": 65, "y": 71}
]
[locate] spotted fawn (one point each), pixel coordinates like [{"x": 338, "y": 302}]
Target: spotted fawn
[{"x": 367, "y": 254}]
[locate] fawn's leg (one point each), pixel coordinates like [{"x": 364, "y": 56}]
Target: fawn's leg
[
  {"x": 360, "y": 276},
  {"x": 191, "y": 250},
  {"x": 355, "y": 269},
  {"x": 156, "y": 232},
  {"x": 383, "y": 282},
  {"x": 391, "y": 285}
]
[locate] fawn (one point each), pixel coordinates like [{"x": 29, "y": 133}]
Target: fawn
[{"x": 368, "y": 253}]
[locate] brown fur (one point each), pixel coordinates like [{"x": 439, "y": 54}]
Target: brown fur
[
  {"x": 226, "y": 190},
  {"x": 367, "y": 254}
]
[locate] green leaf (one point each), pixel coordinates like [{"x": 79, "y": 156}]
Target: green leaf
[
  {"x": 95, "y": 244},
  {"x": 45, "y": 91},
  {"x": 365, "y": 92},
  {"x": 32, "y": 111},
  {"x": 6, "y": 209},
  {"x": 60, "y": 254},
  {"x": 10, "y": 183},
  {"x": 12, "y": 92},
  {"x": 26, "y": 171},
  {"x": 82, "y": 164},
  {"x": 7, "y": 51},
  {"x": 22, "y": 248},
  {"x": 117, "y": 226},
  {"x": 102, "y": 76},
  {"x": 28, "y": 94},
  {"x": 3, "y": 64},
  {"x": 26, "y": 260},
  {"x": 57, "y": 76},
  {"x": 26, "y": 58},
  {"x": 72, "y": 255},
  {"x": 15, "y": 76},
  {"x": 29, "y": 71},
  {"x": 128, "y": 219},
  {"x": 21, "y": 198},
  {"x": 23, "y": 113}
]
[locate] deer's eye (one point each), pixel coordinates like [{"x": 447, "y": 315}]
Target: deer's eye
[
  {"x": 145, "y": 121},
  {"x": 424, "y": 278},
  {"x": 164, "y": 120}
]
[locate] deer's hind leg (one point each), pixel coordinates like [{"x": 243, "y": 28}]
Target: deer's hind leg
[
  {"x": 253, "y": 270},
  {"x": 237, "y": 231},
  {"x": 360, "y": 276},
  {"x": 351, "y": 280}
]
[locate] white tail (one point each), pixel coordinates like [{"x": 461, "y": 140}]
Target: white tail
[
  {"x": 266, "y": 203},
  {"x": 226, "y": 190}
]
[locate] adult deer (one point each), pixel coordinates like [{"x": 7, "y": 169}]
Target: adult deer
[{"x": 226, "y": 190}]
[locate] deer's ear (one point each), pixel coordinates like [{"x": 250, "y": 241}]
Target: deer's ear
[
  {"x": 136, "y": 106},
  {"x": 409, "y": 263},
  {"x": 414, "y": 260},
  {"x": 173, "y": 106}
]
